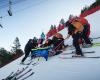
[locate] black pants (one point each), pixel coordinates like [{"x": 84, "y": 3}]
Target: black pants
[
  {"x": 76, "y": 37},
  {"x": 26, "y": 55}
]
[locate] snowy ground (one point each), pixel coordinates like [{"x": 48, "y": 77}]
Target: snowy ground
[{"x": 65, "y": 69}]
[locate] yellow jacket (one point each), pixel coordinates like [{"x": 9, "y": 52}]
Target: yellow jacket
[{"x": 78, "y": 25}]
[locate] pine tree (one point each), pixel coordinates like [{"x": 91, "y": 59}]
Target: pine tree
[
  {"x": 70, "y": 16},
  {"x": 84, "y": 9},
  {"x": 97, "y": 0},
  {"x": 4, "y": 55},
  {"x": 62, "y": 21},
  {"x": 16, "y": 45},
  {"x": 54, "y": 26},
  {"x": 51, "y": 27}
]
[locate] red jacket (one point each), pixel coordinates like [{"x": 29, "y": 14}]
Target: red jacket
[
  {"x": 60, "y": 27},
  {"x": 83, "y": 20}
]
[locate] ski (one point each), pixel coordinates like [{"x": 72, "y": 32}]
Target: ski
[
  {"x": 91, "y": 39},
  {"x": 96, "y": 44},
  {"x": 34, "y": 64},
  {"x": 28, "y": 63},
  {"x": 85, "y": 52},
  {"x": 28, "y": 76},
  {"x": 13, "y": 75},
  {"x": 95, "y": 38},
  {"x": 21, "y": 71},
  {"x": 8, "y": 76},
  {"x": 95, "y": 57},
  {"x": 73, "y": 52},
  {"x": 23, "y": 74}
]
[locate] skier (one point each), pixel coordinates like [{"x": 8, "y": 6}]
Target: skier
[
  {"x": 84, "y": 40},
  {"x": 75, "y": 29},
  {"x": 30, "y": 45}
]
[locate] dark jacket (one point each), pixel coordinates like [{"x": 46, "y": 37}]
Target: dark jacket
[{"x": 30, "y": 45}]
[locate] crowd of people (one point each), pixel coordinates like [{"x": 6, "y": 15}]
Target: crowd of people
[{"x": 78, "y": 28}]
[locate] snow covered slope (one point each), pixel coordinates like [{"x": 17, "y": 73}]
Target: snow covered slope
[{"x": 65, "y": 69}]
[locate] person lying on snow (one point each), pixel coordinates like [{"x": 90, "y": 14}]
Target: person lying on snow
[
  {"x": 56, "y": 43},
  {"x": 76, "y": 30}
]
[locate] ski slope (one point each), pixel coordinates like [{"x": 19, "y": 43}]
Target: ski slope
[{"x": 64, "y": 69}]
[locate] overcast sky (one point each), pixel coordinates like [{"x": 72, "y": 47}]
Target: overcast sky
[{"x": 31, "y": 17}]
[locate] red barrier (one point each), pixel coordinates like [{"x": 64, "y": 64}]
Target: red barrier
[
  {"x": 60, "y": 27},
  {"x": 86, "y": 13},
  {"x": 54, "y": 31},
  {"x": 49, "y": 34}
]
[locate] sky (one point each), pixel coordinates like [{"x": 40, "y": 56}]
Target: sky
[{"x": 32, "y": 17}]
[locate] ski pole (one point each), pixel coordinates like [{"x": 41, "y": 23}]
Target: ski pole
[
  {"x": 58, "y": 45},
  {"x": 28, "y": 76}
]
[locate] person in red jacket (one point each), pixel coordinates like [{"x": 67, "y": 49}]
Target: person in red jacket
[{"x": 75, "y": 29}]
